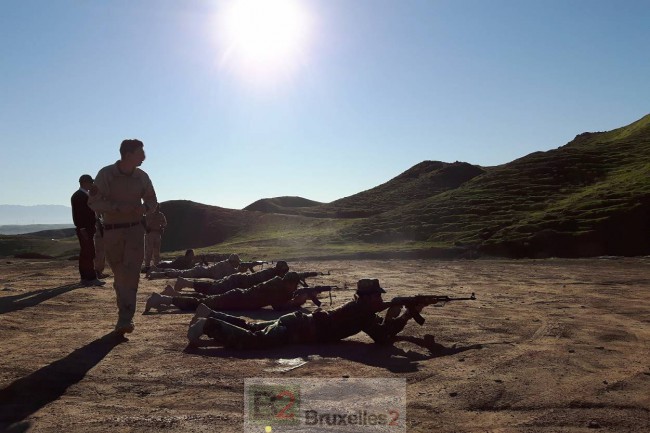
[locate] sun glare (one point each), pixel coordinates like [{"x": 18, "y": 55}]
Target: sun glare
[{"x": 264, "y": 38}]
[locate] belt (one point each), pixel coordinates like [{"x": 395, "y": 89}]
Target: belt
[{"x": 120, "y": 225}]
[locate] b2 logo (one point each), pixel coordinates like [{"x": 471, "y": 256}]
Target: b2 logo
[{"x": 274, "y": 404}]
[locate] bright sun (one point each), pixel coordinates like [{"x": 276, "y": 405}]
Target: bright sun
[{"x": 264, "y": 37}]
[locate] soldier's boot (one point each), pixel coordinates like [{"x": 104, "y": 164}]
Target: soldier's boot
[
  {"x": 220, "y": 332},
  {"x": 195, "y": 332},
  {"x": 124, "y": 326},
  {"x": 182, "y": 283},
  {"x": 157, "y": 301},
  {"x": 169, "y": 291},
  {"x": 202, "y": 312}
]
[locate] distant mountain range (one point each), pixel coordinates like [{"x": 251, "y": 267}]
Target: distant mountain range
[
  {"x": 38, "y": 214},
  {"x": 42, "y": 230}
]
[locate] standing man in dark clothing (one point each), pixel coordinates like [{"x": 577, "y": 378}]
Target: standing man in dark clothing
[{"x": 84, "y": 221}]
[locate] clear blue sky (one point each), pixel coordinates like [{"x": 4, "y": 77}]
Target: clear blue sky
[{"x": 365, "y": 90}]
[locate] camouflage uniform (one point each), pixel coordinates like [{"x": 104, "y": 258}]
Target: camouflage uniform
[
  {"x": 155, "y": 224},
  {"x": 276, "y": 292},
  {"x": 179, "y": 263},
  {"x": 118, "y": 198},
  {"x": 240, "y": 281},
  {"x": 215, "y": 271},
  {"x": 300, "y": 328}
]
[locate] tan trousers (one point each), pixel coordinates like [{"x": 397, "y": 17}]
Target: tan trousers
[
  {"x": 152, "y": 242},
  {"x": 100, "y": 255},
  {"x": 124, "y": 253}
]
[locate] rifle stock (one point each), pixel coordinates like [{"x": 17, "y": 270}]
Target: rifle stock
[
  {"x": 411, "y": 301},
  {"x": 244, "y": 266},
  {"x": 312, "y": 293},
  {"x": 302, "y": 276}
]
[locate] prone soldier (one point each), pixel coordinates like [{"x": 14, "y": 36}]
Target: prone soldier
[
  {"x": 215, "y": 271},
  {"x": 180, "y": 263},
  {"x": 276, "y": 292},
  {"x": 358, "y": 315},
  {"x": 234, "y": 281}
]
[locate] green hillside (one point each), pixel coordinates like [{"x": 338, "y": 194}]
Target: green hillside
[
  {"x": 421, "y": 181},
  {"x": 26, "y": 244},
  {"x": 285, "y": 205},
  {"x": 589, "y": 197}
]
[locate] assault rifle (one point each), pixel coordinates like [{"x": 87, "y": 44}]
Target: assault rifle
[
  {"x": 302, "y": 276},
  {"x": 411, "y": 301},
  {"x": 312, "y": 293},
  {"x": 244, "y": 266}
]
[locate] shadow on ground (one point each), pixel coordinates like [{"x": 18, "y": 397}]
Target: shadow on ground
[
  {"x": 31, "y": 299},
  {"x": 389, "y": 357},
  {"x": 30, "y": 393}
]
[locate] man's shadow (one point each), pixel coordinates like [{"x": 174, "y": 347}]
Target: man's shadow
[
  {"x": 387, "y": 356},
  {"x": 31, "y": 299},
  {"x": 27, "y": 395}
]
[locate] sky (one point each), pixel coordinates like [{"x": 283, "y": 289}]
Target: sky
[{"x": 320, "y": 99}]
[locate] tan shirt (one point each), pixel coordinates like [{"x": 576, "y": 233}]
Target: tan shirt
[{"x": 116, "y": 192}]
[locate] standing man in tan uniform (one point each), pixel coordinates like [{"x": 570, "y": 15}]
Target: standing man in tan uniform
[
  {"x": 155, "y": 224},
  {"x": 124, "y": 194}
]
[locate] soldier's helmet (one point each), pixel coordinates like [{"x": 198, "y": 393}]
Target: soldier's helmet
[
  {"x": 234, "y": 260},
  {"x": 282, "y": 266},
  {"x": 367, "y": 286},
  {"x": 292, "y": 277}
]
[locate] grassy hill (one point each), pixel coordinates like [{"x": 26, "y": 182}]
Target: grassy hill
[
  {"x": 283, "y": 205},
  {"x": 11, "y": 245},
  {"x": 419, "y": 182},
  {"x": 589, "y": 197}
]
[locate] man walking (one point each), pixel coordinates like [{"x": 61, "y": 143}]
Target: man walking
[
  {"x": 124, "y": 194},
  {"x": 155, "y": 224},
  {"x": 84, "y": 221}
]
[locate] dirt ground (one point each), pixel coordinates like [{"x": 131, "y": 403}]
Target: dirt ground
[{"x": 548, "y": 346}]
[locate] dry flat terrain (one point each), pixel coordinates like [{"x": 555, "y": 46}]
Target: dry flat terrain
[{"x": 548, "y": 346}]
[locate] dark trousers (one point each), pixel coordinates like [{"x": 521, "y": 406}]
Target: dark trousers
[
  {"x": 86, "y": 254},
  {"x": 232, "y": 300}
]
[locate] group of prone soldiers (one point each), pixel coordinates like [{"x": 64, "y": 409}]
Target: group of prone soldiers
[{"x": 279, "y": 288}]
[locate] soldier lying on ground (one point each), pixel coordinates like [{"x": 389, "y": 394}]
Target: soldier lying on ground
[
  {"x": 276, "y": 292},
  {"x": 183, "y": 262},
  {"x": 298, "y": 327},
  {"x": 215, "y": 271},
  {"x": 234, "y": 281}
]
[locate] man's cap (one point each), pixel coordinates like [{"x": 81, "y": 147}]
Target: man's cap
[
  {"x": 281, "y": 264},
  {"x": 86, "y": 178},
  {"x": 367, "y": 286},
  {"x": 291, "y": 276},
  {"x": 234, "y": 258}
]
